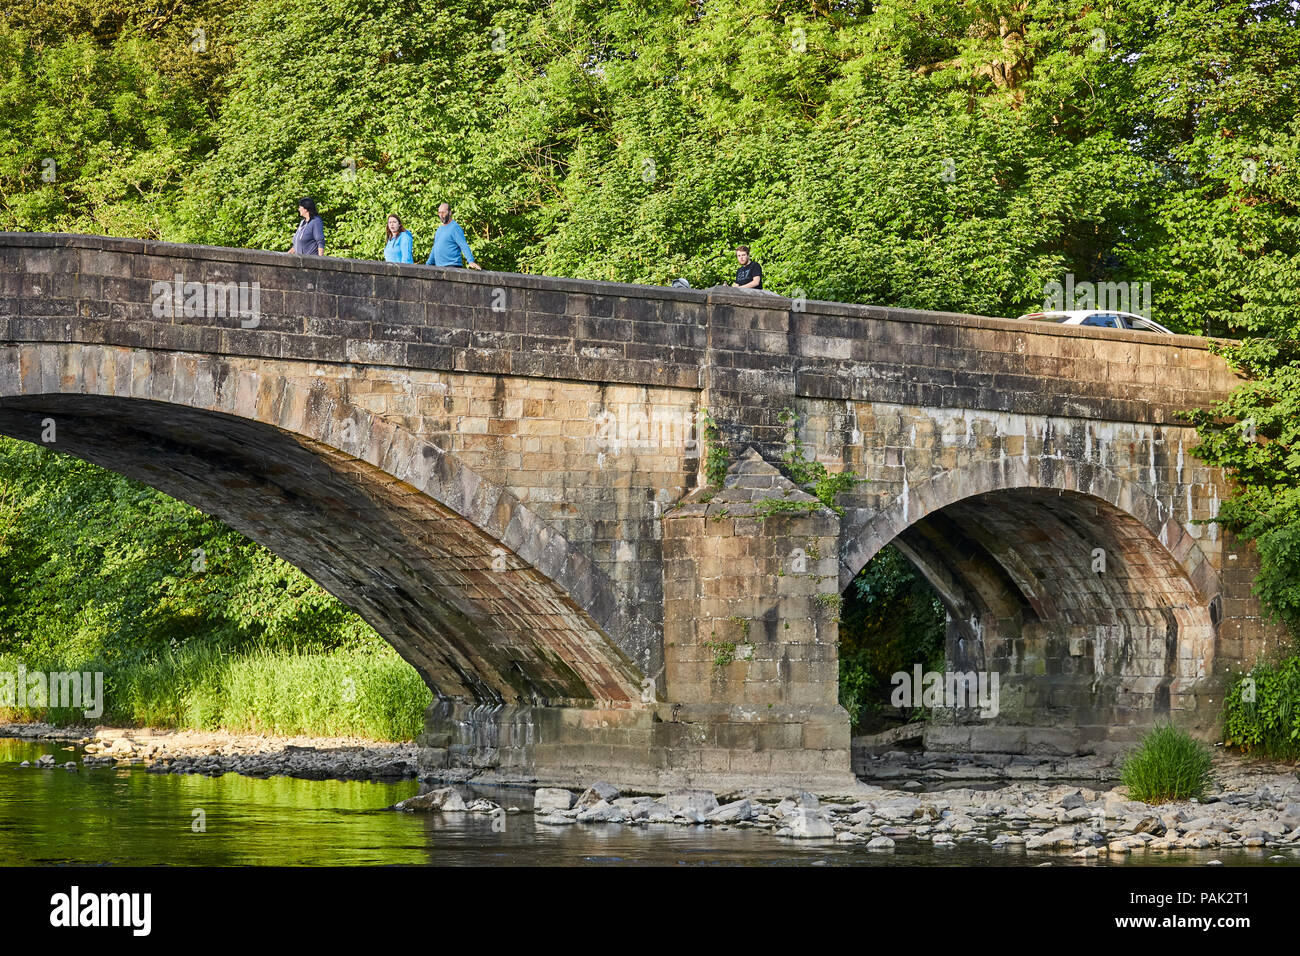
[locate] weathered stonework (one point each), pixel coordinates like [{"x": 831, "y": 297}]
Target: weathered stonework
[{"x": 484, "y": 466}]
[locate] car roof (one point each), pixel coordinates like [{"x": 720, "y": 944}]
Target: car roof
[{"x": 1074, "y": 316}]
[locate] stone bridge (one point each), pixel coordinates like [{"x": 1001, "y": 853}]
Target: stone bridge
[{"x": 506, "y": 475}]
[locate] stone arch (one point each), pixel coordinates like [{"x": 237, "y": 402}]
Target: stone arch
[
  {"x": 1009, "y": 546},
  {"x": 486, "y": 600},
  {"x": 866, "y": 532}
]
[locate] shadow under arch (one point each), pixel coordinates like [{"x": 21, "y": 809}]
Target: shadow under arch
[
  {"x": 482, "y": 597},
  {"x": 1074, "y": 585}
]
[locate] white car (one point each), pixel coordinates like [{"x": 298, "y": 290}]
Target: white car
[{"x": 1100, "y": 318}]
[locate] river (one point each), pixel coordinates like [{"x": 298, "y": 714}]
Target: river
[{"x": 128, "y": 816}]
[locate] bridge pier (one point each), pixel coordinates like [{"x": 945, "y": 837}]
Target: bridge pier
[{"x": 748, "y": 694}]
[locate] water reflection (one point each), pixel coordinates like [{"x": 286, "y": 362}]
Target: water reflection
[{"x": 132, "y": 817}]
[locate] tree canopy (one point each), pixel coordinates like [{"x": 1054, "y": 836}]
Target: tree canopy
[{"x": 929, "y": 153}]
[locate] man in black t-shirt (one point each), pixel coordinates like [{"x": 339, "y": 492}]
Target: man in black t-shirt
[{"x": 750, "y": 273}]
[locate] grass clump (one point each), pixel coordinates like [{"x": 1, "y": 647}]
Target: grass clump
[{"x": 1168, "y": 765}]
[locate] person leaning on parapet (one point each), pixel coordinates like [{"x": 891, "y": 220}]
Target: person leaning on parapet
[
  {"x": 309, "y": 239},
  {"x": 449, "y": 243},
  {"x": 750, "y": 273},
  {"x": 400, "y": 244}
]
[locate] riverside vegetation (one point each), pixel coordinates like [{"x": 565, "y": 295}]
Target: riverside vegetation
[
  {"x": 191, "y": 624},
  {"x": 927, "y": 154}
]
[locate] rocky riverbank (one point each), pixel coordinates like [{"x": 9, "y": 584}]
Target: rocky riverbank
[
  {"x": 217, "y": 753},
  {"x": 1253, "y": 806}
]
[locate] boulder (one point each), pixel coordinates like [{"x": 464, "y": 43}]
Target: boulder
[
  {"x": 597, "y": 792},
  {"x": 442, "y": 800},
  {"x": 881, "y": 843},
  {"x": 702, "y": 802},
  {"x": 553, "y": 820},
  {"x": 548, "y": 799},
  {"x": 1072, "y": 801},
  {"x": 807, "y": 824},
  {"x": 1153, "y": 825},
  {"x": 732, "y": 812},
  {"x": 601, "y": 812},
  {"x": 656, "y": 812},
  {"x": 799, "y": 801}
]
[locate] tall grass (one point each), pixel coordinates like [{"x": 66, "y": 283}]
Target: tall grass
[
  {"x": 1168, "y": 765},
  {"x": 359, "y": 693}
]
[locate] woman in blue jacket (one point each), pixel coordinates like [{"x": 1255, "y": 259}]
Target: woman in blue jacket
[
  {"x": 309, "y": 239},
  {"x": 400, "y": 244}
]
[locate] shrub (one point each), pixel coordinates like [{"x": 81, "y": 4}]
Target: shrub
[
  {"x": 1168, "y": 765},
  {"x": 1262, "y": 710}
]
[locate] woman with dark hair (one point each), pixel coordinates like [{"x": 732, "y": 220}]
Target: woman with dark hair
[
  {"x": 309, "y": 240},
  {"x": 400, "y": 244}
]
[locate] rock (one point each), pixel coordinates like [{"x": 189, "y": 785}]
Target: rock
[
  {"x": 701, "y": 801},
  {"x": 806, "y": 824},
  {"x": 482, "y": 806},
  {"x": 601, "y": 812},
  {"x": 633, "y": 810},
  {"x": 1072, "y": 801},
  {"x": 1060, "y": 837},
  {"x": 553, "y": 820},
  {"x": 657, "y": 812},
  {"x": 548, "y": 799},
  {"x": 444, "y": 800},
  {"x": 881, "y": 843},
  {"x": 25, "y": 763},
  {"x": 597, "y": 792},
  {"x": 1152, "y": 825},
  {"x": 732, "y": 812},
  {"x": 800, "y": 801},
  {"x": 1289, "y": 815}
]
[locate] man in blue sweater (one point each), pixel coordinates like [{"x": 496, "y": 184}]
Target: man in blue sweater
[{"x": 449, "y": 243}]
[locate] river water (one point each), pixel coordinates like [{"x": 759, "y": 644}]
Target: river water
[{"x": 127, "y": 816}]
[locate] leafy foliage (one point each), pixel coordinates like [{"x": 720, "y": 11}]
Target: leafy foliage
[
  {"x": 1262, "y": 710},
  {"x": 808, "y": 473},
  {"x": 889, "y": 622},
  {"x": 96, "y": 566}
]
